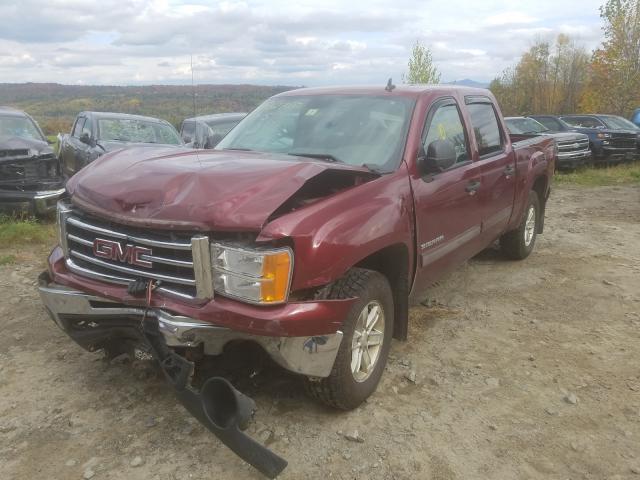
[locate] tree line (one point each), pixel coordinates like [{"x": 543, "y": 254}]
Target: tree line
[{"x": 561, "y": 76}]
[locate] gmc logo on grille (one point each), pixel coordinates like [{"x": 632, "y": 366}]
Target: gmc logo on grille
[{"x": 131, "y": 254}]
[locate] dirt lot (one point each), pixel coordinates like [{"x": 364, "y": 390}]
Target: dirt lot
[{"x": 522, "y": 370}]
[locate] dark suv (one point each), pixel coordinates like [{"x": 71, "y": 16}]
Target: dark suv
[
  {"x": 573, "y": 147},
  {"x": 29, "y": 171},
  {"x": 612, "y": 139}
]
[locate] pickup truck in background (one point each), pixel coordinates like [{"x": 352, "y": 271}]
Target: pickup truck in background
[
  {"x": 30, "y": 179},
  {"x": 95, "y": 133},
  {"x": 206, "y": 131},
  {"x": 610, "y": 141},
  {"x": 573, "y": 147},
  {"x": 307, "y": 230}
]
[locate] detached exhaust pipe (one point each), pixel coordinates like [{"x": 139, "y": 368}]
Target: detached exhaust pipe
[{"x": 221, "y": 408}]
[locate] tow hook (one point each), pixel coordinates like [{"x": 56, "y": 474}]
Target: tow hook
[{"x": 221, "y": 408}]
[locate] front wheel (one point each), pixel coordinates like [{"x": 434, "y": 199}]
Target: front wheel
[
  {"x": 519, "y": 243},
  {"x": 365, "y": 345}
]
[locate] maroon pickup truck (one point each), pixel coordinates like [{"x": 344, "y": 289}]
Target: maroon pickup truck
[{"x": 307, "y": 231}]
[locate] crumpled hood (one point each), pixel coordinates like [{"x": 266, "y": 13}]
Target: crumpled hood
[
  {"x": 10, "y": 145},
  {"x": 203, "y": 190}
]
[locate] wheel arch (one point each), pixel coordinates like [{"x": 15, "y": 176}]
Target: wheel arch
[{"x": 393, "y": 262}]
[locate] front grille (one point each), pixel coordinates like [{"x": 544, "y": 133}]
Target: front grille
[
  {"x": 621, "y": 140},
  {"x": 171, "y": 255},
  {"x": 573, "y": 145}
]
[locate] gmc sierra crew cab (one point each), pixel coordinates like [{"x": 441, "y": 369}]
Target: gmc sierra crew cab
[{"x": 306, "y": 230}]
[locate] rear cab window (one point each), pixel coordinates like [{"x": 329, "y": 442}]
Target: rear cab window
[{"x": 486, "y": 128}]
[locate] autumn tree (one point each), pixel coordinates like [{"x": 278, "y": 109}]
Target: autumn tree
[
  {"x": 421, "y": 67},
  {"x": 614, "y": 76},
  {"x": 548, "y": 78}
]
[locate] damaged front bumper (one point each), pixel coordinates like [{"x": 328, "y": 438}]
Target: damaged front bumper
[
  {"x": 34, "y": 202},
  {"x": 96, "y": 322}
]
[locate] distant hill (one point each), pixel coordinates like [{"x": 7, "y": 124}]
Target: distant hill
[
  {"x": 469, "y": 83},
  {"x": 55, "y": 106}
]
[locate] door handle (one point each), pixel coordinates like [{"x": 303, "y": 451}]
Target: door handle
[
  {"x": 509, "y": 170},
  {"x": 472, "y": 187}
]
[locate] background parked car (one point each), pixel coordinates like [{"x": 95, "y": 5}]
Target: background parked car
[
  {"x": 29, "y": 171},
  {"x": 635, "y": 118},
  {"x": 613, "y": 138},
  {"x": 607, "y": 144},
  {"x": 96, "y": 133},
  {"x": 573, "y": 147},
  {"x": 205, "y": 131}
]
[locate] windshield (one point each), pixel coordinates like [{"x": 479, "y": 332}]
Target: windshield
[
  {"x": 136, "y": 131},
  {"x": 525, "y": 126},
  {"x": 619, "y": 123},
  {"x": 21, "y": 127},
  {"x": 352, "y": 129}
]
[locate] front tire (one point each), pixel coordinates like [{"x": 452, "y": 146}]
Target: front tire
[
  {"x": 519, "y": 243},
  {"x": 365, "y": 345}
]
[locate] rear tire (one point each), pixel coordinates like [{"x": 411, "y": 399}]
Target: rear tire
[
  {"x": 365, "y": 345},
  {"x": 519, "y": 243}
]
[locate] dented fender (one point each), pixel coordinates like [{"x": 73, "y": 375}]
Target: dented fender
[{"x": 335, "y": 234}]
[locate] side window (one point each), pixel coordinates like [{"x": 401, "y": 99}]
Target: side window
[
  {"x": 77, "y": 129},
  {"x": 86, "y": 128},
  {"x": 447, "y": 125},
  {"x": 486, "y": 128}
]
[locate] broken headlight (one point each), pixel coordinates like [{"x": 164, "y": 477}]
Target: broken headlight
[{"x": 252, "y": 275}]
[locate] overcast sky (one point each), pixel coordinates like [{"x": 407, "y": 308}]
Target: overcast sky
[{"x": 296, "y": 42}]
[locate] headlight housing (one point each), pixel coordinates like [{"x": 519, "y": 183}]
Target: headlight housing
[
  {"x": 603, "y": 135},
  {"x": 260, "y": 276}
]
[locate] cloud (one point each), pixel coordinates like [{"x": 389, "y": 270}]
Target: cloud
[{"x": 310, "y": 42}]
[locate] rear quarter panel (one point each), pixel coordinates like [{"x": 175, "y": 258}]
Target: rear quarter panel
[{"x": 535, "y": 158}]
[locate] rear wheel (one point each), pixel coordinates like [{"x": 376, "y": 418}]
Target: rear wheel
[
  {"x": 365, "y": 345},
  {"x": 519, "y": 243}
]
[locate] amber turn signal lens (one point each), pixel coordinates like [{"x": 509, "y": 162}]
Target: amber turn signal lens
[{"x": 276, "y": 270}]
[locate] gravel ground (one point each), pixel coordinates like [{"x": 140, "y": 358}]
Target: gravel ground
[{"x": 513, "y": 370}]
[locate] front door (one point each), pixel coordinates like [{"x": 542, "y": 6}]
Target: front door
[{"x": 447, "y": 209}]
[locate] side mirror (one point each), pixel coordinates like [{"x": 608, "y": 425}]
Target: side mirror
[
  {"x": 186, "y": 139},
  {"x": 440, "y": 155},
  {"x": 85, "y": 138}
]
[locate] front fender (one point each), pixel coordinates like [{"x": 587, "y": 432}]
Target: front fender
[{"x": 332, "y": 235}]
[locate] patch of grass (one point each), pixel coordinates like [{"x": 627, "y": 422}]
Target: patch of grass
[
  {"x": 7, "y": 259},
  {"x": 16, "y": 232},
  {"x": 625, "y": 174}
]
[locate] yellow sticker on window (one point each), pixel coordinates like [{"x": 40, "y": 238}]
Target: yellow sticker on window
[
  {"x": 311, "y": 112},
  {"x": 442, "y": 132}
]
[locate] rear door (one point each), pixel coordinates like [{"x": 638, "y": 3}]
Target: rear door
[
  {"x": 447, "y": 207},
  {"x": 496, "y": 160}
]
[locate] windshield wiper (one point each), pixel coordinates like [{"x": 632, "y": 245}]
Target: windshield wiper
[
  {"x": 374, "y": 169},
  {"x": 327, "y": 157},
  {"x": 239, "y": 149}
]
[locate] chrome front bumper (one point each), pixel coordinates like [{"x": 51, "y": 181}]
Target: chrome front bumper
[{"x": 312, "y": 356}]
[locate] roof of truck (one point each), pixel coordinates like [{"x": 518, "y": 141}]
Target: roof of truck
[{"x": 401, "y": 90}]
